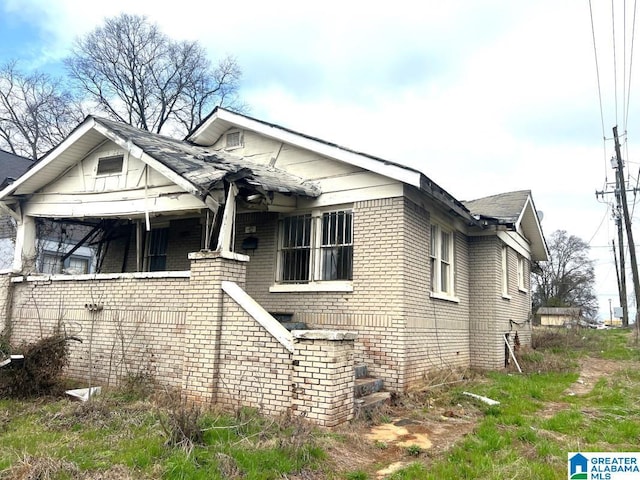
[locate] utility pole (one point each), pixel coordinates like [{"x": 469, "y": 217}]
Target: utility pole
[
  {"x": 627, "y": 224},
  {"x": 622, "y": 281}
]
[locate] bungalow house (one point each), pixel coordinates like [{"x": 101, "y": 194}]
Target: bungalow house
[{"x": 208, "y": 246}]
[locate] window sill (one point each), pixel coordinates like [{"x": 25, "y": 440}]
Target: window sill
[
  {"x": 311, "y": 287},
  {"x": 523, "y": 290},
  {"x": 445, "y": 297},
  {"x": 506, "y": 297}
]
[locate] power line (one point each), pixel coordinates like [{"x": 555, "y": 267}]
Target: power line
[
  {"x": 595, "y": 53},
  {"x": 633, "y": 36},
  {"x": 615, "y": 67}
]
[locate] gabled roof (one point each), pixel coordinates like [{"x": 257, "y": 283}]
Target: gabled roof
[
  {"x": 221, "y": 120},
  {"x": 504, "y": 207},
  {"x": 12, "y": 166},
  {"x": 516, "y": 210},
  {"x": 195, "y": 168}
]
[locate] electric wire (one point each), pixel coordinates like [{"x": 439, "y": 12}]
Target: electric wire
[
  {"x": 615, "y": 66},
  {"x": 633, "y": 36},
  {"x": 595, "y": 53},
  {"x": 601, "y": 223}
]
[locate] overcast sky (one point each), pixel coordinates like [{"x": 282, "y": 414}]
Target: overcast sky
[{"x": 482, "y": 96}]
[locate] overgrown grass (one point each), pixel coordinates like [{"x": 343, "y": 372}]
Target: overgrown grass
[
  {"x": 68, "y": 438},
  {"x": 522, "y": 438},
  {"x": 527, "y": 436}
]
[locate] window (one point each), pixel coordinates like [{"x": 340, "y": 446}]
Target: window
[
  {"x": 295, "y": 253},
  {"x": 442, "y": 254},
  {"x": 505, "y": 271},
  {"x": 157, "y": 250},
  {"x": 337, "y": 246},
  {"x": 110, "y": 165},
  {"x": 233, "y": 140},
  {"x": 51, "y": 264},
  {"x": 316, "y": 247},
  {"x": 78, "y": 265},
  {"x": 522, "y": 269}
]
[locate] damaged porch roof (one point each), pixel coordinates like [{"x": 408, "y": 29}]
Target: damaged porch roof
[{"x": 197, "y": 169}]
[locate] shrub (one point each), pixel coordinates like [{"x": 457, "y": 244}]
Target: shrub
[{"x": 40, "y": 370}]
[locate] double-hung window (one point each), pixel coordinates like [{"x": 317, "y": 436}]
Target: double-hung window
[
  {"x": 522, "y": 269},
  {"x": 442, "y": 262},
  {"x": 505, "y": 271},
  {"x": 316, "y": 247}
]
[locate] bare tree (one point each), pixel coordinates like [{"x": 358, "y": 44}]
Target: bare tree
[
  {"x": 135, "y": 74},
  {"x": 568, "y": 278},
  {"x": 36, "y": 112}
]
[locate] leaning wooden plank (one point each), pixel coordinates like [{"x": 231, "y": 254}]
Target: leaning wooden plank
[{"x": 486, "y": 400}]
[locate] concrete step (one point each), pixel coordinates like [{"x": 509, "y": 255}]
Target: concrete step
[
  {"x": 294, "y": 325},
  {"x": 372, "y": 402},
  {"x": 361, "y": 370},
  {"x": 366, "y": 386}
]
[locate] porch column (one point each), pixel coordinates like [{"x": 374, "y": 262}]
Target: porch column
[{"x": 24, "y": 260}]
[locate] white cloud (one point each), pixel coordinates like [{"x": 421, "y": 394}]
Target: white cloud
[{"x": 482, "y": 96}]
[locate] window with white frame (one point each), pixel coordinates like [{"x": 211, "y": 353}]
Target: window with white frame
[
  {"x": 316, "y": 246},
  {"x": 442, "y": 255},
  {"x": 51, "y": 263},
  {"x": 505, "y": 271},
  {"x": 522, "y": 269},
  {"x": 110, "y": 165},
  {"x": 233, "y": 140}
]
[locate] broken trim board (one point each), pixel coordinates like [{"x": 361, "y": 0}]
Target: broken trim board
[
  {"x": 84, "y": 393},
  {"x": 10, "y": 359},
  {"x": 486, "y": 400}
]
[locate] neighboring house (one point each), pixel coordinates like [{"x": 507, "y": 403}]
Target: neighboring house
[
  {"x": 199, "y": 239},
  {"x": 55, "y": 239},
  {"x": 11, "y": 167},
  {"x": 559, "y": 316}
]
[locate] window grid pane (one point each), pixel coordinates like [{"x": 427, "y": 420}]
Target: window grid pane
[
  {"x": 337, "y": 246},
  {"x": 296, "y": 248}
]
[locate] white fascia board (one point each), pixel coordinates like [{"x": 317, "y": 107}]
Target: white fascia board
[
  {"x": 517, "y": 242},
  {"x": 405, "y": 175},
  {"x": 529, "y": 207},
  {"x": 138, "y": 152},
  {"x": 88, "y": 124}
]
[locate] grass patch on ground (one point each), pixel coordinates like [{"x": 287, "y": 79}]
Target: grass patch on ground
[
  {"x": 126, "y": 435},
  {"x": 521, "y": 437}
]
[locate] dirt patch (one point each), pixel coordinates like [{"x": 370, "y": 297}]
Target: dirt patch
[
  {"x": 591, "y": 371},
  {"x": 390, "y": 443}
]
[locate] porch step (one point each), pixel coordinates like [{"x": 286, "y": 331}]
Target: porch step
[
  {"x": 367, "y": 392},
  {"x": 361, "y": 370},
  {"x": 366, "y": 386},
  {"x": 294, "y": 325},
  {"x": 371, "y": 402}
]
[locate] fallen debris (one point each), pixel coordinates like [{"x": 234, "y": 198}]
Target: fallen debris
[
  {"x": 84, "y": 393},
  {"x": 11, "y": 358},
  {"x": 486, "y": 400}
]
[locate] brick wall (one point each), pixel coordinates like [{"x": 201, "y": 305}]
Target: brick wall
[
  {"x": 437, "y": 330},
  {"x": 492, "y": 314},
  {"x": 139, "y": 328},
  {"x": 255, "y": 369},
  {"x": 402, "y": 332},
  {"x": 323, "y": 376},
  {"x": 374, "y": 308}
]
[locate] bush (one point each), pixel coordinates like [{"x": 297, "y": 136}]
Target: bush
[{"x": 40, "y": 370}]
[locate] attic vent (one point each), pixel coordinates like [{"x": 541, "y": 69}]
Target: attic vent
[
  {"x": 233, "y": 140},
  {"x": 110, "y": 165}
]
